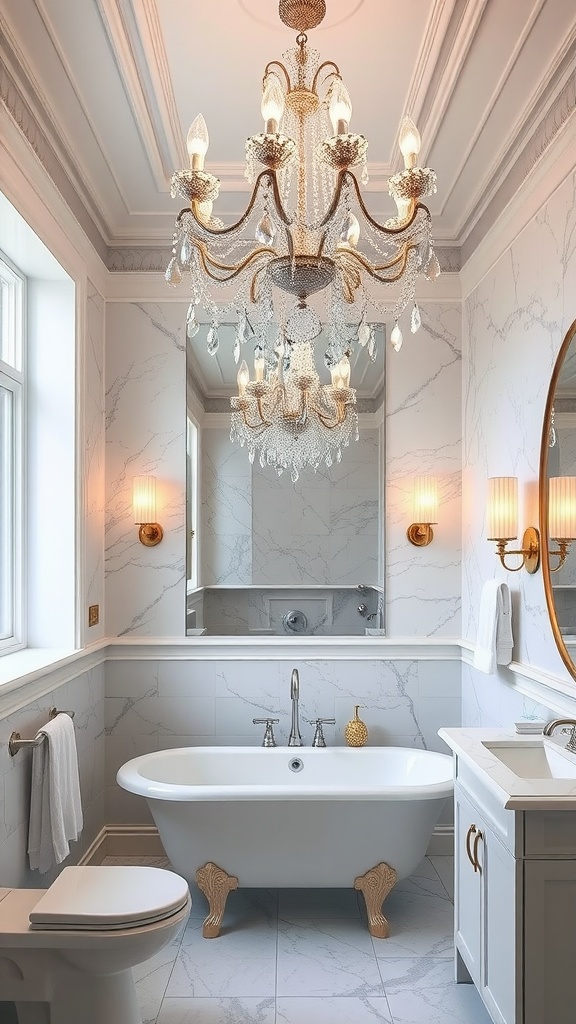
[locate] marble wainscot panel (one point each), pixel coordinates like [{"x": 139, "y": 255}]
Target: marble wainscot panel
[
  {"x": 423, "y": 437},
  {"x": 85, "y": 696},
  {"x": 94, "y": 469},
  {"x": 514, "y": 324},
  {"x": 153, "y": 705},
  {"x": 145, "y": 434}
]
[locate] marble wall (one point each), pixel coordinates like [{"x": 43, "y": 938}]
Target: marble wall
[
  {"x": 94, "y": 457},
  {"x": 153, "y": 705},
  {"x": 514, "y": 324},
  {"x": 84, "y": 695}
]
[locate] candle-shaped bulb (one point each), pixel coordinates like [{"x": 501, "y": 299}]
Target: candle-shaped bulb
[
  {"x": 409, "y": 141},
  {"x": 272, "y": 106},
  {"x": 197, "y": 142},
  {"x": 340, "y": 107},
  {"x": 243, "y": 378}
]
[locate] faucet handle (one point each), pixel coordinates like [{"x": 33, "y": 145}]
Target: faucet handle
[
  {"x": 268, "y": 740},
  {"x": 319, "y": 740}
]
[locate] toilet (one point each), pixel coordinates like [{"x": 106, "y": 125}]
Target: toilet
[{"x": 73, "y": 945}]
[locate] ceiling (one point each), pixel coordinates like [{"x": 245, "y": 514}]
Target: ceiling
[{"x": 115, "y": 84}]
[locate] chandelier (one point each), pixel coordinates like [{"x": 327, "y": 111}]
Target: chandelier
[{"x": 305, "y": 231}]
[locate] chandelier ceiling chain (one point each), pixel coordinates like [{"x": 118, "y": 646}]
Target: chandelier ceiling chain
[{"x": 301, "y": 235}]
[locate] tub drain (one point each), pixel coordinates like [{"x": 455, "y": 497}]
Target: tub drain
[{"x": 296, "y": 764}]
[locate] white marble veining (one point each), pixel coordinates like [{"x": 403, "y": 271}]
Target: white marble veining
[
  {"x": 146, "y": 428},
  {"x": 514, "y": 323},
  {"x": 94, "y": 457}
]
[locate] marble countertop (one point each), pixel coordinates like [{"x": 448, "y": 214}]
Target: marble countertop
[{"x": 515, "y": 793}]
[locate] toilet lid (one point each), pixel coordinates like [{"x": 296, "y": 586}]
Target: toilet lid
[{"x": 110, "y": 897}]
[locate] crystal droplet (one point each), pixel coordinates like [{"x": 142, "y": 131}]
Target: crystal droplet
[
  {"x": 363, "y": 333},
  {"x": 372, "y": 350},
  {"x": 251, "y": 455},
  {"x": 350, "y": 230},
  {"x": 236, "y": 350},
  {"x": 245, "y": 330},
  {"x": 192, "y": 325},
  {"x": 212, "y": 341},
  {"x": 415, "y": 319},
  {"x": 265, "y": 230},
  {"x": 396, "y": 338},
  {"x": 185, "y": 251},
  {"x": 328, "y": 460},
  {"x": 432, "y": 270},
  {"x": 173, "y": 273},
  {"x": 329, "y": 360},
  {"x": 294, "y": 475}
]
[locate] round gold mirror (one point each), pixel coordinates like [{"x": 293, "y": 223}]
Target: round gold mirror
[{"x": 558, "y": 501}]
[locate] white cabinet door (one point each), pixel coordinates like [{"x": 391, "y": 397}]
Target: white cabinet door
[
  {"x": 549, "y": 944},
  {"x": 467, "y": 903},
  {"x": 500, "y": 986}
]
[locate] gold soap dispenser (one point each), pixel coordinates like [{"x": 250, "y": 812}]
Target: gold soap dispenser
[{"x": 356, "y": 732}]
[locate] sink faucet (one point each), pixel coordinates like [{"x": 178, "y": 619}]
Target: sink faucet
[
  {"x": 295, "y": 739},
  {"x": 549, "y": 729}
]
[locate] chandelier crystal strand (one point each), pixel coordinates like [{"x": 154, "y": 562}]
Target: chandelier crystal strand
[{"x": 306, "y": 230}]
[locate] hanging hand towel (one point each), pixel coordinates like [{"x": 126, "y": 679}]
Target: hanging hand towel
[
  {"x": 55, "y": 806},
  {"x": 494, "y": 641}
]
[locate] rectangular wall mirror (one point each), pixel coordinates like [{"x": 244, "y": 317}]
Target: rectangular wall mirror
[{"x": 269, "y": 556}]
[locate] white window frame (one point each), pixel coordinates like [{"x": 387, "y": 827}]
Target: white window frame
[{"x": 12, "y": 378}]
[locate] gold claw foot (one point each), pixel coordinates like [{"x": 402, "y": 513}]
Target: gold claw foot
[
  {"x": 215, "y": 883},
  {"x": 375, "y": 886}
]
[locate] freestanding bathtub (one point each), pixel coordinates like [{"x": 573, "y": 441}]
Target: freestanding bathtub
[{"x": 292, "y": 816}]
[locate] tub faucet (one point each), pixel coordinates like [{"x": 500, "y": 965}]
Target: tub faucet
[{"x": 295, "y": 739}]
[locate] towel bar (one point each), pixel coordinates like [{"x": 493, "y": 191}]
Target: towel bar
[{"x": 15, "y": 743}]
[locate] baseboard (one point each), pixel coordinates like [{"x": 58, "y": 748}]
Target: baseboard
[
  {"x": 124, "y": 841},
  {"x": 144, "y": 841}
]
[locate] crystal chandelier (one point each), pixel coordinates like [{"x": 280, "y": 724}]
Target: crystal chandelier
[{"x": 301, "y": 235}]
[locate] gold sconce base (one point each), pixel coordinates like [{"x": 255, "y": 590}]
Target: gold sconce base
[
  {"x": 530, "y": 551},
  {"x": 150, "y": 534},
  {"x": 420, "y": 534}
]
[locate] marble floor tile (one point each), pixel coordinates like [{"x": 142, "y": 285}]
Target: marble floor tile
[
  {"x": 445, "y": 868},
  {"x": 296, "y": 905},
  {"x": 421, "y": 919},
  {"x": 326, "y": 958},
  {"x": 334, "y": 1010},
  {"x": 423, "y": 991},
  {"x": 217, "y": 1011},
  {"x": 239, "y": 962}
]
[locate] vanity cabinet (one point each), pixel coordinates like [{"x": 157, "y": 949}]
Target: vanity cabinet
[{"x": 515, "y": 905}]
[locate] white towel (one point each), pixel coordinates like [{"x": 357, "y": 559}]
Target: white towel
[
  {"x": 494, "y": 642},
  {"x": 55, "y": 805}
]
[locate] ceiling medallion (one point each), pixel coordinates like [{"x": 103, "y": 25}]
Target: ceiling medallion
[{"x": 305, "y": 231}]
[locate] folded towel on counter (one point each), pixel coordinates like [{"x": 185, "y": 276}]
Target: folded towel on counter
[
  {"x": 55, "y": 805},
  {"x": 494, "y": 641}
]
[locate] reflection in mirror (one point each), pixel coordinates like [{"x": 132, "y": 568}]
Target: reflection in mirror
[
  {"x": 558, "y": 459},
  {"x": 269, "y": 556}
]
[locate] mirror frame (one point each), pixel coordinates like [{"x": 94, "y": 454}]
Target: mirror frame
[{"x": 543, "y": 503}]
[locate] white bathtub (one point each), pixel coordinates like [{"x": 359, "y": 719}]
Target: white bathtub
[{"x": 243, "y": 808}]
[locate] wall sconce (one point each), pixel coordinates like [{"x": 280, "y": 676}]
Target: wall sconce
[
  {"x": 502, "y": 524},
  {"x": 561, "y": 515},
  {"x": 425, "y": 500},
  {"x": 144, "y": 508}
]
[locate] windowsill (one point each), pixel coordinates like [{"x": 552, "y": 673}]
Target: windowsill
[{"x": 29, "y": 664}]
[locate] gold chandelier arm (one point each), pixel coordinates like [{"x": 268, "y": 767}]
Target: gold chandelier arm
[
  {"x": 220, "y": 232},
  {"x": 326, "y": 64},
  {"x": 345, "y": 173},
  {"x": 277, "y": 64},
  {"x": 401, "y": 259},
  {"x": 209, "y": 261},
  {"x": 561, "y": 554}
]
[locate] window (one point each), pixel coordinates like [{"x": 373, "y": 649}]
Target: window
[{"x": 11, "y": 458}]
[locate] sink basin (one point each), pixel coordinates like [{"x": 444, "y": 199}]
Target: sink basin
[{"x": 534, "y": 760}]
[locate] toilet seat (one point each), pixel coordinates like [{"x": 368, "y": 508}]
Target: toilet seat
[{"x": 108, "y": 898}]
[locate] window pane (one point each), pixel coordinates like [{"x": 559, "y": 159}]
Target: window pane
[{"x": 6, "y": 513}]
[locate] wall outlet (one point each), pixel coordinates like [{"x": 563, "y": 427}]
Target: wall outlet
[{"x": 93, "y": 614}]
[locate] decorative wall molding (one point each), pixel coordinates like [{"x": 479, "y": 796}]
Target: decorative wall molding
[
  {"x": 542, "y": 687},
  {"x": 272, "y": 648},
  {"x": 51, "y": 670}
]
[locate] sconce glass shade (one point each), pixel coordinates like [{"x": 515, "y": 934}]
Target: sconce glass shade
[
  {"x": 144, "y": 499},
  {"x": 425, "y": 499},
  {"x": 562, "y": 508},
  {"x": 502, "y": 508}
]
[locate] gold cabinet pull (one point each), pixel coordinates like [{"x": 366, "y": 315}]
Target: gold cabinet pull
[
  {"x": 471, "y": 831},
  {"x": 476, "y": 863}
]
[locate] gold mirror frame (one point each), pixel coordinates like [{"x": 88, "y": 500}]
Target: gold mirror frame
[{"x": 543, "y": 502}]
